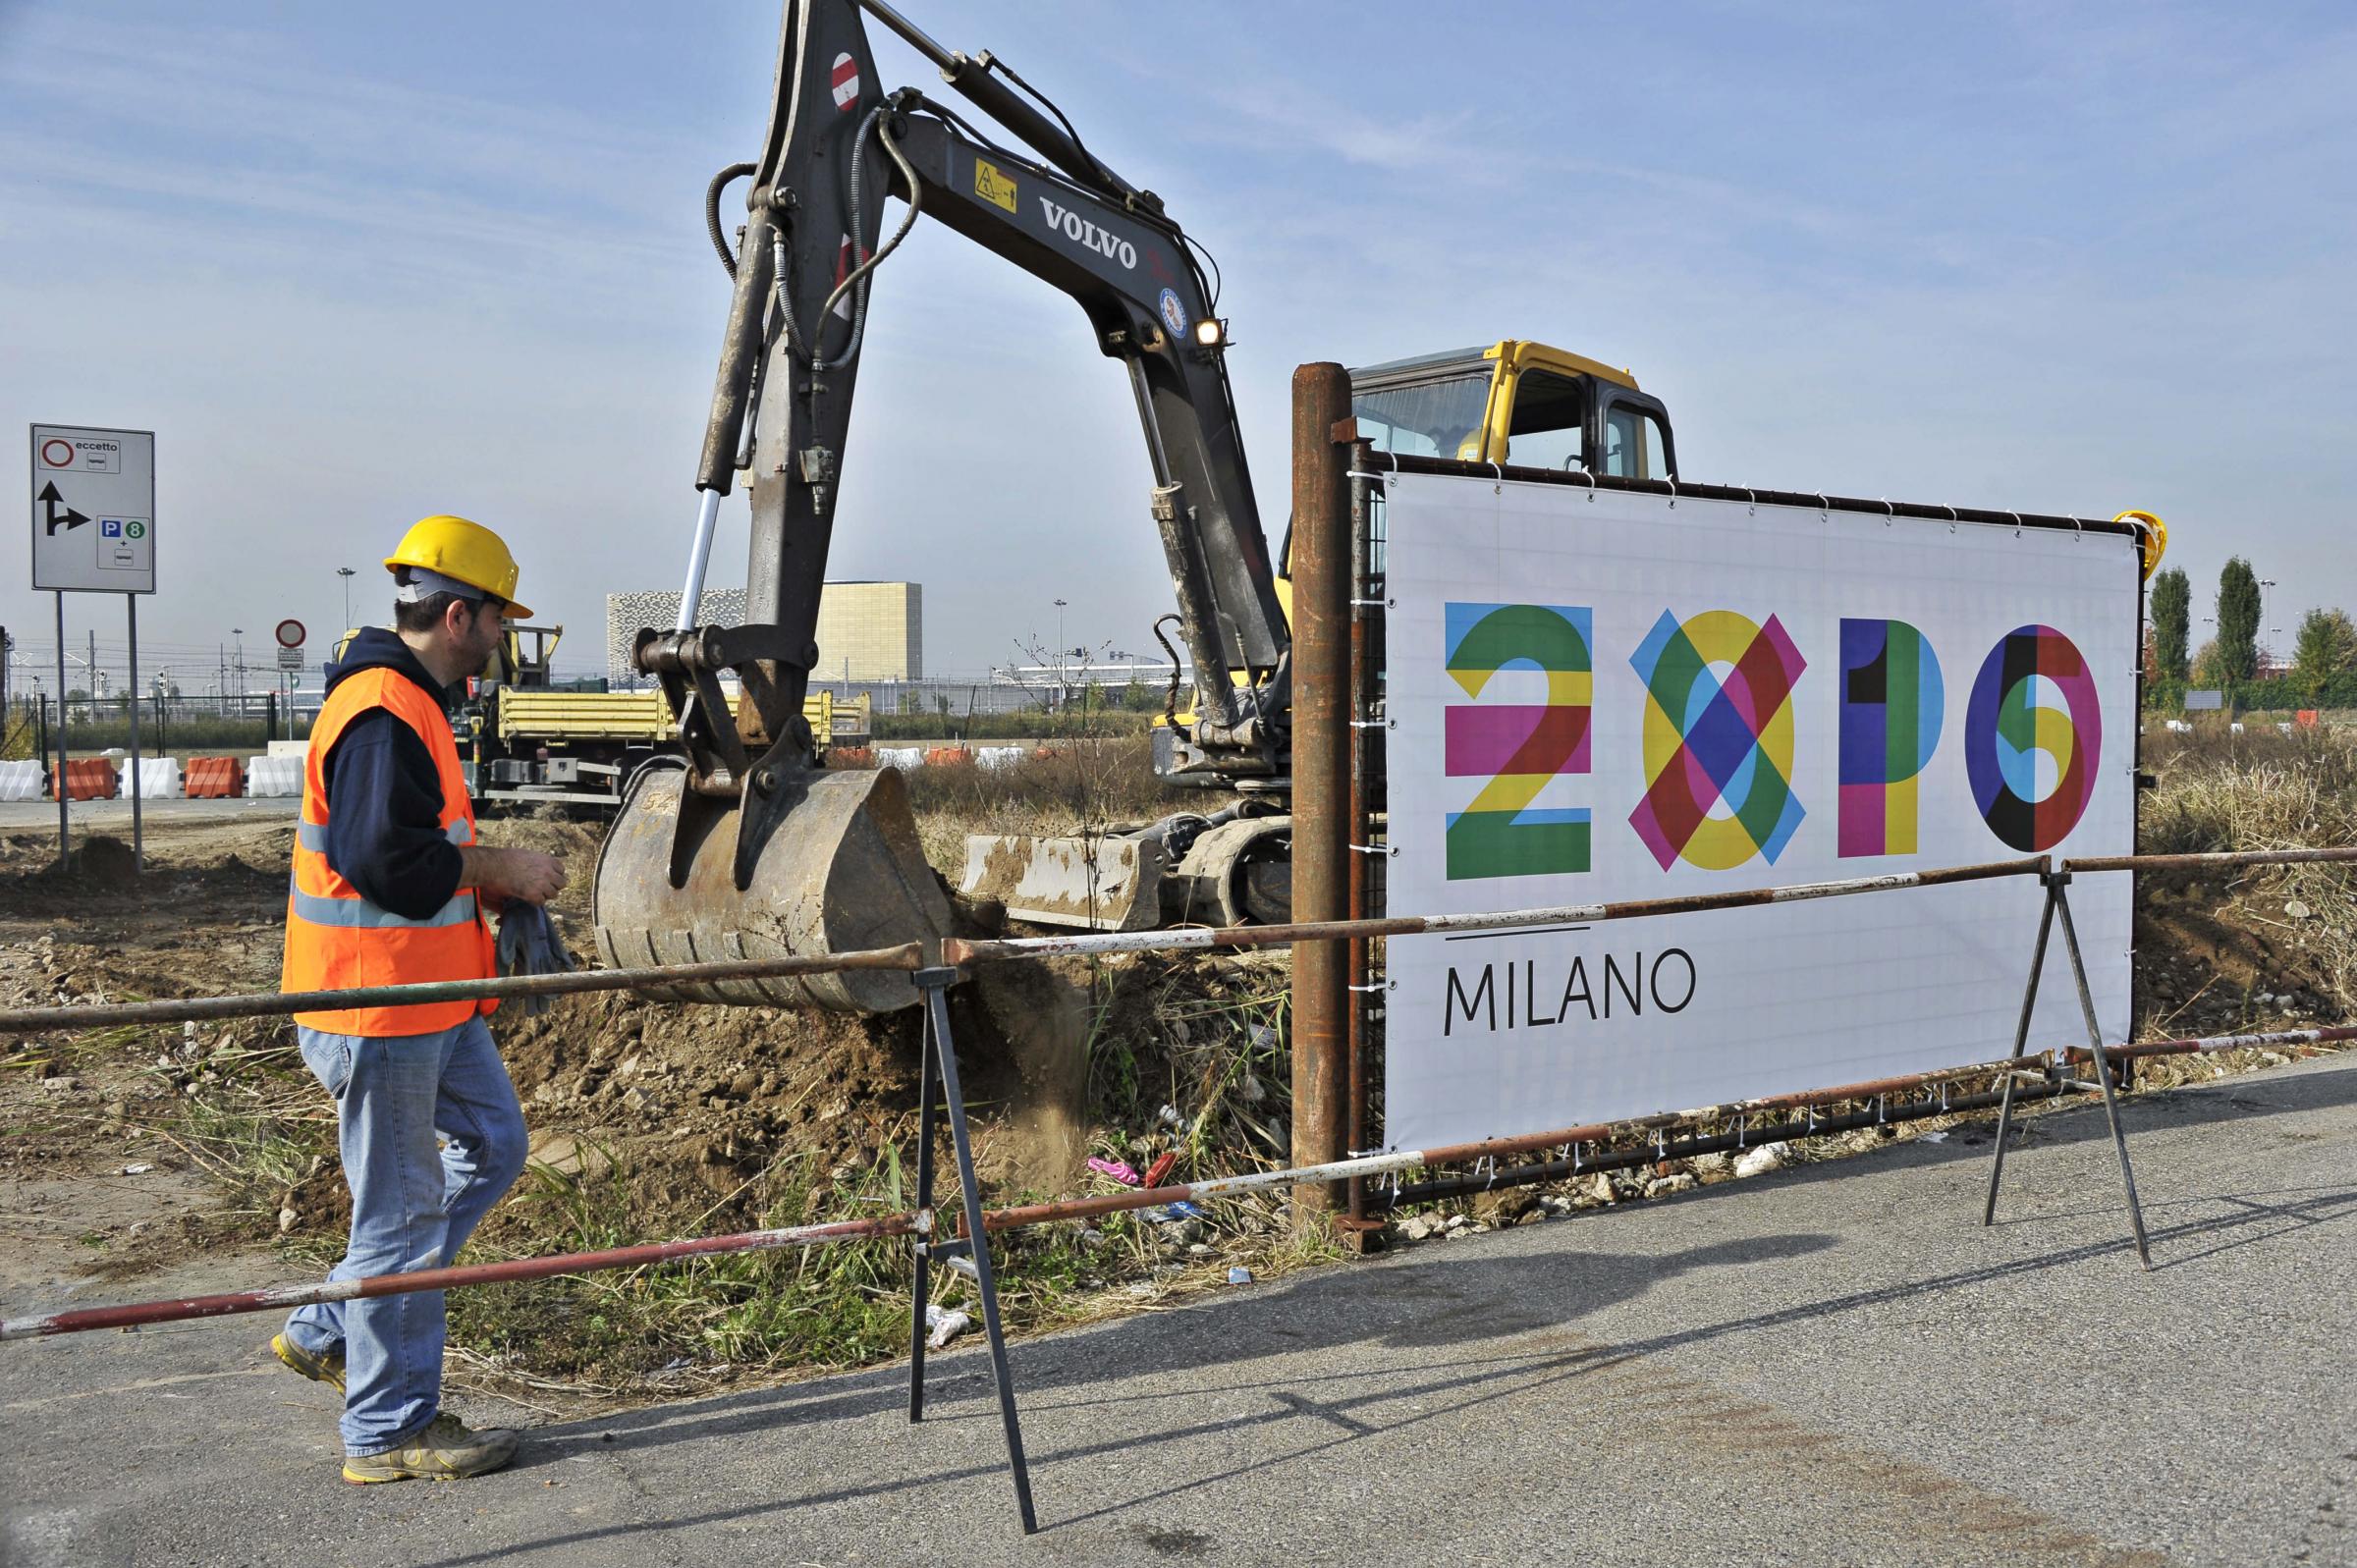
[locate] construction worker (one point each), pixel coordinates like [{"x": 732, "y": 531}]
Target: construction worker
[{"x": 391, "y": 887}]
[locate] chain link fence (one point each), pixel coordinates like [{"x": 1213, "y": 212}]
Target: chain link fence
[{"x": 169, "y": 726}]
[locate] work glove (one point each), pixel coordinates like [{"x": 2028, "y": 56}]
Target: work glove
[{"x": 528, "y": 946}]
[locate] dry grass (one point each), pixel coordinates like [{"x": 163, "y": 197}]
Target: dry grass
[
  {"x": 1079, "y": 785},
  {"x": 2266, "y": 791},
  {"x": 2251, "y": 791}
]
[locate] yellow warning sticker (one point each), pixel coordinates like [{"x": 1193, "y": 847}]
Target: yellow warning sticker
[{"x": 992, "y": 185}]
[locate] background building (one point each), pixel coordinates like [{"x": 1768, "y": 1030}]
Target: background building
[{"x": 867, "y": 631}]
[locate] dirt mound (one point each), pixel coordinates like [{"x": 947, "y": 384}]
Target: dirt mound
[
  {"x": 739, "y": 1086},
  {"x": 103, "y": 864},
  {"x": 704, "y": 1112},
  {"x": 2208, "y": 961},
  {"x": 574, "y": 842}
]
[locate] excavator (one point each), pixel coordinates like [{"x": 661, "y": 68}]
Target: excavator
[{"x": 740, "y": 848}]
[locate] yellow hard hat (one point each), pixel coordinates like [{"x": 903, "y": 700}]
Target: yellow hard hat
[
  {"x": 2156, "y": 536},
  {"x": 466, "y": 551}
]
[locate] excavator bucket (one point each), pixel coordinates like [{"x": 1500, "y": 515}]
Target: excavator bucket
[{"x": 843, "y": 872}]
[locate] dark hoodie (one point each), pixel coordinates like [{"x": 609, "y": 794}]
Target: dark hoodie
[{"x": 384, "y": 797}]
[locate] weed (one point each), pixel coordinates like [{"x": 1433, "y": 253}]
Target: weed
[{"x": 2266, "y": 791}]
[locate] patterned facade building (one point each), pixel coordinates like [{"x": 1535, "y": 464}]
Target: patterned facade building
[{"x": 867, "y": 631}]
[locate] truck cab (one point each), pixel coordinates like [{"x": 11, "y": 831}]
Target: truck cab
[{"x": 1515, "y": 401}]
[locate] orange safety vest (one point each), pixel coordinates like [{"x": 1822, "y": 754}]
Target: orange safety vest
[{"x": 335, "y": 937}]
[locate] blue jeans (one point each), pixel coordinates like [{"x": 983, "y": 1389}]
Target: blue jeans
[{"x": 415, "y": 1199}]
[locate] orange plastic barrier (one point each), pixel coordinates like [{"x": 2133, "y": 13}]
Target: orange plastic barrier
[
  {"x": 215, "y": 777},
  {"x": 1046, "y": 753},
  {"x": 2305, "y": 717},
  {"x": 948, "y": 757},
  {"x": 850, "y": 756},
  {"x": 91, "y": 778}
]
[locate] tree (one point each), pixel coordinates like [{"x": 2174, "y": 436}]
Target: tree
[
  {"x": 2172, "y": 607},
  {"x": 2326, "y": 647},
  {"x": 2210, "y": 668},
  {"x": 2238, "y": 620}
]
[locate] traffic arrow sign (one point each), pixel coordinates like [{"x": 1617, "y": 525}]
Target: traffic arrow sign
[
  {"x": 52, "y": 502},
  {"x": 110, "y": 474}
]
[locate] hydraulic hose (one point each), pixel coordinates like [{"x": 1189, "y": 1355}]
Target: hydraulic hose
[
  {"x": 1170, "y": 701},
  {"x": 855, "y": 281},
  {"x": 720, "y": 240}
]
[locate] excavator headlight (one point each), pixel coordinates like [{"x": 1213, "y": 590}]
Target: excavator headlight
[{"x": 1210, "y": 332}]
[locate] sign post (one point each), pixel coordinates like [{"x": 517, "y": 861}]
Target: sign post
[
  {"x": 138, "y": 846},
  {"x": 93, "y": 531},
  {"x": 290, "y": 634},
  {"x": 61, "y": 730}
]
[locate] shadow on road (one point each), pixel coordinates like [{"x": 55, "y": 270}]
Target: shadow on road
[{"x": 1449, "y": 1301}]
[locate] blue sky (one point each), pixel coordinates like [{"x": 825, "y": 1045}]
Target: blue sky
[{"x": 358, "y": 263}]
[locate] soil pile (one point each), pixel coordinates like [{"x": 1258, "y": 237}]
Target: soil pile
[{"x": 103, "y": 864}]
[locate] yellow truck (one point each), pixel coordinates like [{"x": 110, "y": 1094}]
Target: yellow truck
[
  {"x": 578, "y": 748},
  {"x": 522, "y": 738}
]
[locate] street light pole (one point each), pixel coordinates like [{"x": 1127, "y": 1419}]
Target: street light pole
[
  {"x": 347, "y": 573},
  {"x": 1063, "y": 670}
]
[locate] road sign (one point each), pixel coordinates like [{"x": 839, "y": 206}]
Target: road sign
[
  {"x": 289, "y": 633},
  {"x": 290, "y": 658},
  {"x": 94, "y": 510}
]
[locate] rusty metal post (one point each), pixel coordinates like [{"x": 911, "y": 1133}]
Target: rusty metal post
[{"x": 1321, "y": 571}]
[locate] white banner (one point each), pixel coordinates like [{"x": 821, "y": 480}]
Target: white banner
[{"x": 1601, "y": 696}]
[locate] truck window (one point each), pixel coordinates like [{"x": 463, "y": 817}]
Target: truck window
[
  {"x": 1632, "y": 445},
  {"x": 1432, "y": 420},
  {"x": 1551, "y": 415}
]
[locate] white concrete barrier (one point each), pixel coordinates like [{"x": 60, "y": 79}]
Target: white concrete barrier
[
  {"x": 22, "y": 781},
  {"x": 273, "y": 777},
  {"x": 900, "y": 757},
  {"x": 159, "y": 778},
  {"x": 1000, "y": 756}
]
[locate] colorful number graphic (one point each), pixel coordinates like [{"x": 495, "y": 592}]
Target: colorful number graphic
[
  {"x": 1891, "y": 707},
  {"x": 2033, "y": 762},
  {"x": 1518, "y": 746},
  {"x": 1718, "y": 740}
]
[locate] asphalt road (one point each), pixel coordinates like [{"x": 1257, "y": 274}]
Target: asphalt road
[
  {"x": 1827, "y": 1365},
  {"x": 114, "y": 816}
]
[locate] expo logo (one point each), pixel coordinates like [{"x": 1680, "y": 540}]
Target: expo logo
[{"x": 1719, "y": 738}]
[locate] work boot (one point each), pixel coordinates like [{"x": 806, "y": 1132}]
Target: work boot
[
  {"x": 445, "y": 1450},
  {"x": 327, "y": 1369}
]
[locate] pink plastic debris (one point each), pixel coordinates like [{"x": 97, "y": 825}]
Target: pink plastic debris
[{"x": 1115, "y": 1168}]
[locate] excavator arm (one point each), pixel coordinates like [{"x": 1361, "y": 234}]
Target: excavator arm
[
  {"x": 790, "y": 361},
  {"x": 749, "y": 849}
]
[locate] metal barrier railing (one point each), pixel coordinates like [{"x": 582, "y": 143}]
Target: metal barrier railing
[{"x": 2024, "y": 1075}]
